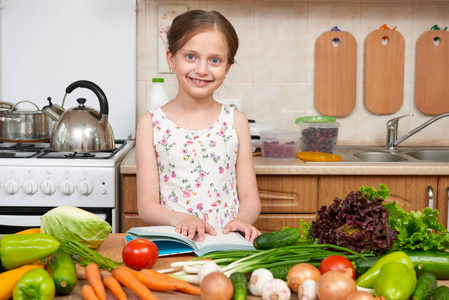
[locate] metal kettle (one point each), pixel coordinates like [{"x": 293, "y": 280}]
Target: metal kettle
[{"x": 81, "y": 129}]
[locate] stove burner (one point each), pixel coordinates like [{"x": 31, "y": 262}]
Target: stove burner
[
  {"x": 7, "y": 154},
  {"x": 79, "y": 155}
]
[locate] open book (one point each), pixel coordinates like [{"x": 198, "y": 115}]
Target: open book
[{"x": 170, "y": 242}]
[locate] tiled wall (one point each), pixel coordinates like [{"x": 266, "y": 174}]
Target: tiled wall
[{"x": 274, "y": 73}]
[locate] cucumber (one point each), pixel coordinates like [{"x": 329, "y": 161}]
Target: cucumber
[
  {"x": 239, "y": 283},
  {"x": 61, "y": 267},
  {"x": 361, "y": 265},
  {"x": 435, "y": 262},
  {"x": 441, "y": 293},
  {"x": 426, "y": 285},
  {"x": 276, "y": 239}
]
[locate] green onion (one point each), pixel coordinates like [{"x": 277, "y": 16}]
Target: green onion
[
  {"x": 249, "y": 260},
  {"x": 84, "y": 255}
]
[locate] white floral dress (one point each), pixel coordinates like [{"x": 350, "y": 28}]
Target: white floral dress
[{"x": 197, "y": 168}]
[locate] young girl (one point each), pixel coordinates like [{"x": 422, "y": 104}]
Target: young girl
[{"x": 194, "y": 161}]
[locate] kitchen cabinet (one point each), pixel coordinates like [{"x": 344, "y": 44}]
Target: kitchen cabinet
[{"x": 286, "y": 199}]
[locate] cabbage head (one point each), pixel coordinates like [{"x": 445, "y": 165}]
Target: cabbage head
[{"x": 72, "y": 223}]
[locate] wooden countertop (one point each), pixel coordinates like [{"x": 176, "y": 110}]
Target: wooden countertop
[
  {"x": 267, "y": 166},
  {"x": 112, "y": 247}
]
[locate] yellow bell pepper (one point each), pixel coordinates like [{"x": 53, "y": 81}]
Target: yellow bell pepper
[{"x": 9, "y": 279}]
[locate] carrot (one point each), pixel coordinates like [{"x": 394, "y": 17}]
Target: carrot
[
  {"x": 125, "y": 277},
  {"x": 114, "y": 286},
  {"x": 93, "y": 277},
  {"x": 182, "y": 286},
  {"x": 88, "y": 293},
  {"x": 155, "y": 283}
]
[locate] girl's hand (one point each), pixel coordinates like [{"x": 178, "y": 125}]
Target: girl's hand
[
  {"x": 190, "y": 225},
  {"x": 250, "y": 231}
]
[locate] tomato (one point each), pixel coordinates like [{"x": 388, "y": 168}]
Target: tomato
[
  {"x": 140, "y": 254},
  {"x": 336, "y": 263}
]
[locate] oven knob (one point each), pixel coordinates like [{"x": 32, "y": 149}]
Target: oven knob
[
  {"x": 66, "y": 187},
  {"x": 85, "y": 187},
  {"x": 29, "y": 187},
  {"x": 11, "y": 186},
  {"x": 48, "y": 187}
]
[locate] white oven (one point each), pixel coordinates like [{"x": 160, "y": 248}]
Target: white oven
[{"x": 34, "y": 179}]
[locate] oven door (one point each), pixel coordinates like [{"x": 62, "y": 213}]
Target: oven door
[{"x": 14, "y": 219}]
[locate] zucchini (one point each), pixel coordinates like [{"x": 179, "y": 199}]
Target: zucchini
[
  {"x": 239, "y": 283},
  {"x": 435, "y": 262},
  {"x": 441, "y": 293},
  {"x": 426, "y": 285},
  {"x": 276, "y": 239},
  {"x": 61, "y": 267}
]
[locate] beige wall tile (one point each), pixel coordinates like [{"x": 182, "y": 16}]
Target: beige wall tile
[
  {"x": 275, "y": 63},
  {"x": 280, "y": 40},
  {"x": 279, "y": 104}
]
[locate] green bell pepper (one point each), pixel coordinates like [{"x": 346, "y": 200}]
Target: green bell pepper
[
  {"x": 368, "y": 279},
  {"x": 35, "y": 284},
  {"x": 395, "y": 282},
  {"x": 17, "y": 250}
]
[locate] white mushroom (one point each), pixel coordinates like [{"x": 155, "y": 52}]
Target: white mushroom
[
  {"x": 275, "y": 289},
  {"x": 258, "y": 278}
]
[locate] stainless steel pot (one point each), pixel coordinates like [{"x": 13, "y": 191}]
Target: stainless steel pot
[
  {"x": 24, "y": 126},
  {"x": 81, "y": 129}
]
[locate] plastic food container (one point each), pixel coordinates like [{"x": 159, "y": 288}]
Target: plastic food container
[
  {"x": 318, "y": 134},
  {"x": 255, "y": 129},
  {"x": 280, "y": 143}
]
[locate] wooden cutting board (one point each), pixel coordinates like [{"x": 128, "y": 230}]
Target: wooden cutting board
[
  {"x": 432, "y": 72},
  {"x": 384, "y": 71},
  {"x": 335, "y": 73}
]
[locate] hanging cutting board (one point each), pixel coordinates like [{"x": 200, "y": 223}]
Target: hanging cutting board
[
  {"x": 335, "y": 73},
  {"x": 432, "y": 72},
  {"x": 384, "y": 71}
]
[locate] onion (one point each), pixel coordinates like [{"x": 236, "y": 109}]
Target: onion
[
  {"x": 336, "y": 285},
  {"x": 362, "y": 295},
  {"x": 301, "y": 272},
  {"x": 217, "y": 286}
]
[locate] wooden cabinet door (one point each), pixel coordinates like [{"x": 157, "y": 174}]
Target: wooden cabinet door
[
  {"x": 129, "y": 194},
  {"x": 443, "y": 201},
  {"x": 274, "y": 222},
  {"x": 410, "y": 192},
  {"x": 287, "y": 194}
]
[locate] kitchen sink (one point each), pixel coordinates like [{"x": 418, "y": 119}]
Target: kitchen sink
[
  {"x": 404, "y": 154},
  {"x": 372, "y": 156},
  {"x": 432, "y": 155}
]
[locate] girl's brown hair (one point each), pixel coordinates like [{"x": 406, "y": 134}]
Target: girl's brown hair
[{"x": 189, "y": 24}]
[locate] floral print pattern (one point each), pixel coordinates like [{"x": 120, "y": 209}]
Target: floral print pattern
[{"x": 197, "y": 168}]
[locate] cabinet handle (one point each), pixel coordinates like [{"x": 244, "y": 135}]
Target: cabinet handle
[
  {"x": 447, "y": 193},
  {"x": 431, "y": 196}
]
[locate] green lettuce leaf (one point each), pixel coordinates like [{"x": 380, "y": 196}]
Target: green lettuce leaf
[
  {"x": 383, "y": 191},
  {"x": 417, "y": 230}
]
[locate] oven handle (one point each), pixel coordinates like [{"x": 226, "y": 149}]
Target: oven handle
[{"x": 27, "y": 221}]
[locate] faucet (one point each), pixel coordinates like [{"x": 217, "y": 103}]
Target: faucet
[{"x": 392, "y": 130}]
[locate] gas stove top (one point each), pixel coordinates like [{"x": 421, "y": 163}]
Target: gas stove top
[
  {"x": 42, "y": 150},
  {"x": 41, "y": 154}
]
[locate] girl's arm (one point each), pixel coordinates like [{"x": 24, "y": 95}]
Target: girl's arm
[
  {"x": 148, "y": 203},
  {"x": 246, "y": 182}
]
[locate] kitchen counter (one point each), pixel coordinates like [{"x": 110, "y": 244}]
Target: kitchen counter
[
  {"x": 267, "y": 166},
  {"x": 112, "y": 247}
]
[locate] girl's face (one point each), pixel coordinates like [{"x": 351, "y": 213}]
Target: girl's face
[{"x": 201, "y": 64}]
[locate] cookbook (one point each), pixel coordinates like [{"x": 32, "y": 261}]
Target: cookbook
[{"x": 170, "y": 242}]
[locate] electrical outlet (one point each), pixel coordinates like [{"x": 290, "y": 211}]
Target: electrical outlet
[{"x": 235, "y": 103}]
